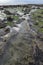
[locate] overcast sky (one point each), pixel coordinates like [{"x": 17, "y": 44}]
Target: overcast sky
[{"x": 15, "y": 2}]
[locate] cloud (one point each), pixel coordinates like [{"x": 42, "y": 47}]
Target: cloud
[{"x": 15, "y": 2}]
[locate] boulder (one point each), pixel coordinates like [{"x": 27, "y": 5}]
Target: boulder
[
  {"x": 3, "y": 19},
  {"x": 7, "y": 12},
  {"x": 2, "y": 33},
  {"x": 24, "y": 27},
  {"x": 40, "y": 36},
  {"x": 2, "y": 25},
  {"x": 7, "y": 29},
  {"x": 9, "y": 18},
  {"x": 1, "y": 8},
  {"x": 20, "y": 13},
  {"x": 19, "y": 21}
]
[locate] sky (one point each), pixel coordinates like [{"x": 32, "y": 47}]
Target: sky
[{"x": 15, "y": 2}]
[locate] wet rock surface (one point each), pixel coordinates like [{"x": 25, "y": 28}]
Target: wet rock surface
[{"x": 21, "y": 42}]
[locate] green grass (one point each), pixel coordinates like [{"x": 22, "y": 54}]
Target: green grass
[
  {"x": 10, "y": 23},
  {"x": 40, "y": 30},
  {"x": 20, "y": 9},
  {"x": 38, "y": 16},
  {"x": 16, "y": 18}
]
